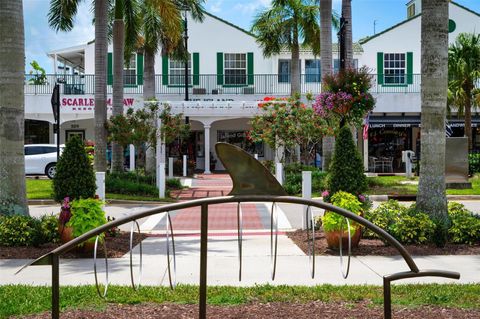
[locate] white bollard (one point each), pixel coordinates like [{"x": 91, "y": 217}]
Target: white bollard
[
  {"x": 184, "y": 165},
  {"x": 100, "y": 182},
  {"x": 256, "y": 156},
  {"x": 279, "y": 172},
  {"x": 132, "y": 157},
  {"x": 307, "y": 194},
  {"x": 161, "y": 177},
  {"x": 170, "y": 167}
]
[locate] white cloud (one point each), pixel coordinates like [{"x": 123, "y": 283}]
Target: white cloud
[
  {"x": 216, "y": 6},
  {"x": 249, "y": 7}
]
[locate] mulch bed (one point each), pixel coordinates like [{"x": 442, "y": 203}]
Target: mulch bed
[
  {"x": 375, "y": 247},
  {"x": 116, "y": 248},
  {"x": 315, "y": 309}
]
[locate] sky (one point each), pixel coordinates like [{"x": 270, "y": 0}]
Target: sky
[{"x": 40, "y": 38}]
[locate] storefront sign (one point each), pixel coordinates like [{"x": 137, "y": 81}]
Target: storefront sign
[{"x": 90, "y": 102}]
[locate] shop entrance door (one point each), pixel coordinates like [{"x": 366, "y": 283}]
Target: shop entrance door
[{"x": 70, "y": 133}]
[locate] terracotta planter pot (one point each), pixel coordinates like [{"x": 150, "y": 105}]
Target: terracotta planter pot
[
  {"x": 66, "y": 233},
  {"x": 333, "y": 238},
  {"x": 88, "y": 247},
  {"x": 343, "y": 109}
]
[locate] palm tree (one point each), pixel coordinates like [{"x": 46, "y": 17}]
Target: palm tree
[
  {"x": 125, "y": 29},
  {"x": 12, "y": 73},
  {"x": 347, "y": 15},
  {"x": 289, "y": 24},
  {"x": 162, "y": 27},
  {"x": 464, "y": 72},
  {"x": 60, "y": 17},
  {"x": 328, "y": 142},
  {"x": 431, "y": 196}
]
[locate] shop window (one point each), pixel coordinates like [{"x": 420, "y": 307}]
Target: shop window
[
  {"x": 312, "y": 71},
  {"x": 235, "y": 68},
  {"x": 285, "y": 70},
  {"x": 37, "y": 132},
  {"x": 240, "y": 139},
  {"x": 394, "y": 68},
  {"x": 130, "y": 71},
  {"x": 176, "y": 71}
]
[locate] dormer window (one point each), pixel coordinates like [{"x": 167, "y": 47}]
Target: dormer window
[{"x": 411, "y": 10}]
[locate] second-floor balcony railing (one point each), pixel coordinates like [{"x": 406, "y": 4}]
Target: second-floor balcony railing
[{"x": 211, "y": 84}]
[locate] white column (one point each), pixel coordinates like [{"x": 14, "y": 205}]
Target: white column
[
  {"x": 161, "y": 178},
  {"x": 100, "y": 182},
  {"x": 170, "y": 167},
  {"x": 279, "y": 154},
  {"x": 365, "y": 155},
  {"x": 132, "y": 157},
  {"x": 160, "y": 153},
  {"x": 55, "y": 64},
  {"x": 256, "y": 156},
  {"x": 184, "y": 165},
  {"x": 207, "y": 149},
  {"x": 279, "y": 172},
  {"x": 297, "y": 151},
  {"x": 307, "y": 194}
]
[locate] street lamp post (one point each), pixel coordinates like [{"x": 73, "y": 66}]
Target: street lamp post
[{"x": 187, "y": 56}]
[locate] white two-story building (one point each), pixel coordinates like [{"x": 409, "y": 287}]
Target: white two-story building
[{"x": 229, "y": 74}]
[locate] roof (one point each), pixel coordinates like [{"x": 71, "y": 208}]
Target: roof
[
  {"x": 365, "y": 40},
  {"x": 230, "y": 24}
]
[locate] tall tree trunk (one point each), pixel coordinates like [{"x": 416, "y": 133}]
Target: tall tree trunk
[
  {"x": 328, "y": 142},
  {"x": 431, "y": 196},
  {"x": 295, "y": 84},
  {"x": 101, "y": 50},
  {"x": 149, "y": 94},
  {"x": 118, "y": 61},
  {"x": 468, "y": 116},
  {"x": 347, "y": 14},
  {"x": 12, "y": 73}
]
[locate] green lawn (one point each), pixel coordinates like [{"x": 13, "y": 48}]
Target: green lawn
[
  {"x": 42, "y": 189},
  {"x": 21, "y": 300},
  {"x": 39, "y": 188},
  {"x": 395, "y": 185}
]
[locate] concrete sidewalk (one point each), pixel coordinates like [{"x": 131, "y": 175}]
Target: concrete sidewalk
[{"x": 223, "y": 265}]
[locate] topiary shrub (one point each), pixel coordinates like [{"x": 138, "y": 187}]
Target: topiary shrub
[
  {"x": 346, "y": 171},
  {"x": 74, "y": 176}
]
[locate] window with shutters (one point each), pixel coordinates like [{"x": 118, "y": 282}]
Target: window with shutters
[
  {"x": 176, "y": 71},
  {"x": 312, "y": 71},
  {"x": 130, "y": 71},
  {"x": 394, "y": 68},
  {"x": 235, "y": 68}
]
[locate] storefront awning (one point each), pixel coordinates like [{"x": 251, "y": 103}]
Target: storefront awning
[{"x": 413, "y": 121}]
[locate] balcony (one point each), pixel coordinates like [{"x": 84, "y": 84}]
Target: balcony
[{"x": 204, "y": 85}]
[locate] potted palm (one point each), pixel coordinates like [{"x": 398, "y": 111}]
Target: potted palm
[{"x": 335, "y": 226}]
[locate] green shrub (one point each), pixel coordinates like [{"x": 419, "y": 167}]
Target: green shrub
[
  {"x": 173, "y": 183},
  {"x": 473, "y": 163},
  {"x": 346, "y": 171},
  {"x": 413, "y": 227},
  {"x": 465, "y": 226},
  {"x": 87, "y": 214},
  {"x": 293, "y": 179},
  {"x": 269, "y": 164},
  {"x": 137, "y": 177},
  {"x": 49, "y": 229},
  {"x": 119, "y": 185},
  {"x": 332, "y": 221},
  {"x": 20, "y": 230},
  {"x": 74, "y": 176},
  {"x": 384, "y": 216}
]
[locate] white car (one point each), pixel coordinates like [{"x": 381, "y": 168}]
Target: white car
[{"x": 41, "y": 159}]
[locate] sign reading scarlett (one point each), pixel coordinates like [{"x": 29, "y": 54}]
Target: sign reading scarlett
[{"x": 90, "y": 102}]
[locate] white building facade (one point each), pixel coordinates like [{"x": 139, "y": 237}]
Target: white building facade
[{"x": 229, "y": 74}]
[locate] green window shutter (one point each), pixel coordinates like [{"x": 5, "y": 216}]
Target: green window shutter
[
  {"x": 380, "y": 67},
  {"x": 220, "y": 68},
  {"x": 196, "y": 68},
  {"x": 109, "y": 68},
  {"x": 165, "y": 70},
  {"x": 409, "y": 67},
  {"x": 139, "y": 69},
  {"x": 250, "y": 76}
]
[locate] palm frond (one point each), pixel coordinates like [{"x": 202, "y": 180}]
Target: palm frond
[{"x": 62, "y": 13}]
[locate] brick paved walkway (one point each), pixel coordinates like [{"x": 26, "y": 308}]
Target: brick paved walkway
[{"x": 221, "y": 217}]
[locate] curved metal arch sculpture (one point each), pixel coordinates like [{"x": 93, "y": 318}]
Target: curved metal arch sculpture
[{"x": 243, "y": 194}]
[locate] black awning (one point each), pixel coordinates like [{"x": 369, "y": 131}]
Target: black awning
[{"x": 394, "y": 121}]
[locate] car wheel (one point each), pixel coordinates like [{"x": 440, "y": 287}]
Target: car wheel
[{"x": 50, "y": 170}]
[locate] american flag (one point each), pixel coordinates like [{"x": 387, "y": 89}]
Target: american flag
[
  {"x": 448, "y": 129},
  {"x": 366, "y": 122}
]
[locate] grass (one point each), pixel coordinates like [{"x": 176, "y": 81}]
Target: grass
[
  {"x": 42, "y": 189},
  {"x": 391, "y": 185},
  {"x": 39, "y": 188},
  {"x": 22, "y": 300}
]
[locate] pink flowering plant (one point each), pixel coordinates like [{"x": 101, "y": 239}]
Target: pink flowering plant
[
  {"x": 65, "y": 212},
  {"x": 345, "y": 97}
]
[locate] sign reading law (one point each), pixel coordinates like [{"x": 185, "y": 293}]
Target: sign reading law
[{"x": 89, "y": 103}]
